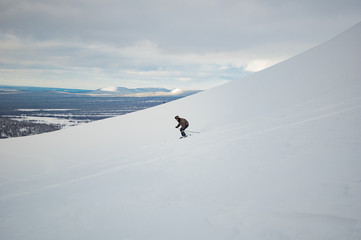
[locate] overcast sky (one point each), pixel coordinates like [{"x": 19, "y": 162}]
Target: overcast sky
[{"x": 193, "y": 44}]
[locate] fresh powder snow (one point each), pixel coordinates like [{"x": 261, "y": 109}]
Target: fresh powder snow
[{"x": 278, "y": 156}]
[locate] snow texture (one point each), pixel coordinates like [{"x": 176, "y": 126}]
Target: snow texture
[{"x": 278, "y": 157}]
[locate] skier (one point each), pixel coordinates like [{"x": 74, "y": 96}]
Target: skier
[{"x": 183, "y": 123}]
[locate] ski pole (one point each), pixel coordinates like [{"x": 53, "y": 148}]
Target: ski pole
[{"x": 191, "y": 131}]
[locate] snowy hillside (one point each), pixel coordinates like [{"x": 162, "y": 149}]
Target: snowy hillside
[{"x": 278, "y": 157}]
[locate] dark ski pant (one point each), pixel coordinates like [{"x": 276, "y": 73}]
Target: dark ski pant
[{"x": 182, "y": 131}]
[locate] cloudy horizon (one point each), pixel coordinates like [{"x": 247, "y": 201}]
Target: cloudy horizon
[{"x": 90, "y": 44}]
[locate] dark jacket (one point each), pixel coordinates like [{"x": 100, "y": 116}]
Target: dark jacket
[{"x": 182, "y": 122}]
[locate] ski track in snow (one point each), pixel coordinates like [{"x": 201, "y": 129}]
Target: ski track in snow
[{"x": 79, "y": 179}]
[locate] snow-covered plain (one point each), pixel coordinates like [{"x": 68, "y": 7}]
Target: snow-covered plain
[{"x": 278, "y": 157}]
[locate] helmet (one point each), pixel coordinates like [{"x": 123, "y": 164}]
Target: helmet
[{"x": 176, "y": 117}]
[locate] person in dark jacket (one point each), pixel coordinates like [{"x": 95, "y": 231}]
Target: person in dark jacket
[{"x": 183, "y": 123}]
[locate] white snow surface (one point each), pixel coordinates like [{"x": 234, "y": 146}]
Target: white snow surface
[
  {"x": 109, "y": 89},
  {"x": 278, "y": 156},
  {"x": 177, "y": 91}
]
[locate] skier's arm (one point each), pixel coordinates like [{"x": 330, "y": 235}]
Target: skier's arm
[{"x": 177, "y": 125}]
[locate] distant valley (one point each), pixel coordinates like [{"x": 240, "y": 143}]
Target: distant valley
[{"x": 33, "y": 110}]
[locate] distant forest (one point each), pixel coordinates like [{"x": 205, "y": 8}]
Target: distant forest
[{"x": 12, "y": 128}]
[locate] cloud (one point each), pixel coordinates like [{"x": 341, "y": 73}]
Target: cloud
[
  {"x": 259, "y": 64},
  {"x": 160, "y": 42}
]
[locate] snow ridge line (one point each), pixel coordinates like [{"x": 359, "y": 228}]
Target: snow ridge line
[
  {"x": 300, "y": 122},
  {"x": 288, "y": 125}
]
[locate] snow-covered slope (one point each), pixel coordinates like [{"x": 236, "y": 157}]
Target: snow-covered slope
[{"x": 278, "y": 157}]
